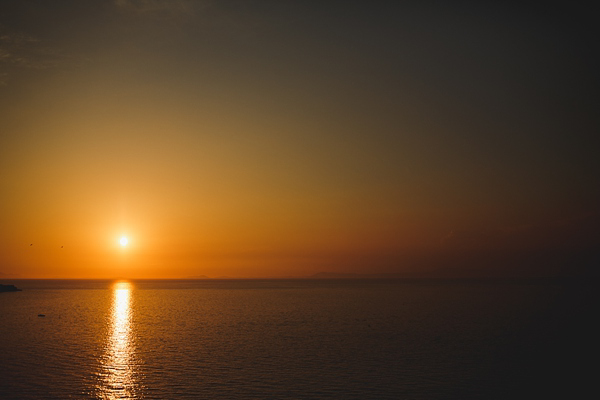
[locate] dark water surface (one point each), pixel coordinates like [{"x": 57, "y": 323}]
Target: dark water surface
[{"x": 298, "y": 339}]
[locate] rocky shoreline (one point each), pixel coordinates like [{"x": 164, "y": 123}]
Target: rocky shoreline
[{"x": 9, "y": 288}]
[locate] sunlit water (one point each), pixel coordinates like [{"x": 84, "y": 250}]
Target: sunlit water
[
  {"x": 119, "y": 363},
  {"x": 296, "y": 339}
]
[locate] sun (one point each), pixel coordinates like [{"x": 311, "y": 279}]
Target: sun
[{"x": 123, "y": 241}]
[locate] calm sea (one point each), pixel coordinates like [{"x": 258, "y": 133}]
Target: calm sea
[{"x": 343, "y": 339}]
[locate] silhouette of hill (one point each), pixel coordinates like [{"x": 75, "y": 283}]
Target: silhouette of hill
[{"x": 345, "y": 275}]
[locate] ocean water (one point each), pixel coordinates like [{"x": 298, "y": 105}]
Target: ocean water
[{"x": 342, "y": 339}]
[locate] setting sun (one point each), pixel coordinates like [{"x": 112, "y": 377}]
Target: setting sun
[{"x": 123, "y": 241}]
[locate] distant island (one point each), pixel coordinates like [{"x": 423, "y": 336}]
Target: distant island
[
  {"x": 9, "y": 288},
  {"x": 346, "y": 275}
]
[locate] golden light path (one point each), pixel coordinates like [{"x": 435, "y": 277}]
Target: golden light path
[{"x": 118, "y": 364}]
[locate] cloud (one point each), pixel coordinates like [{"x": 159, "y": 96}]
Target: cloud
[
  {"x": 566, "y": 247},
  {"x": 19, "y": 51},
  {"x": 579, "y": 232},
  {"x": 160, "y": 7}
]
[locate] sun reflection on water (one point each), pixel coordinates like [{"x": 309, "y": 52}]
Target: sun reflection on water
[{"x": 118, "y": 363}]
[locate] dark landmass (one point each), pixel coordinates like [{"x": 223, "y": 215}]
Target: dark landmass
[
  {"x": 343, "y": 275},
  {"x": 9, "y": 288},
  {"x": 389, "y": 275}
]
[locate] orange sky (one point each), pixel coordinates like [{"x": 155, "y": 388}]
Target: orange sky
[{"x": 259, "y": 139}]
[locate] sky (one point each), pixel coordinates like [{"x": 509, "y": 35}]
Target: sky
[{"x": 283, "y": 139}]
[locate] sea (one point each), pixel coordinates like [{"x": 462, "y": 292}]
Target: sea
[{"x": 299, "y": 339}]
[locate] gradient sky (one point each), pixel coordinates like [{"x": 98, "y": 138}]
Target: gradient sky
[{"x": 280, "y": 138}]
